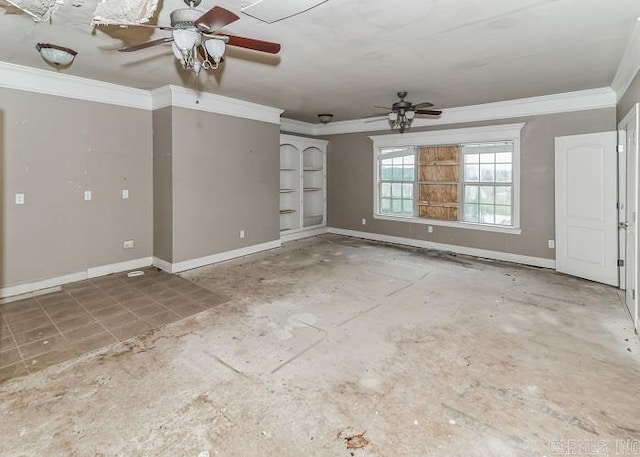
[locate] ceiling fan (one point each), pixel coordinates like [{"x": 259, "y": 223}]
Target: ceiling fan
[
  {"x": 402, "y": 113},
  {"x": 196, "y": 40}
]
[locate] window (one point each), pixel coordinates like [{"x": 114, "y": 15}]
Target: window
[
  {"x": 488, "y": 183},
  {"x": 396, "y": 172},
  {"x": 464, "y": 178}
]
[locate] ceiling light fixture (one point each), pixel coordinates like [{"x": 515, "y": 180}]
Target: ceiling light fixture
[
  {"x": 194, "y": 54},
  {"x": 57, "y": 56},
  {"x": 190, "y": 49},
  {"x": 401, "y": 119},
  {"x": 325, "y": 118}
]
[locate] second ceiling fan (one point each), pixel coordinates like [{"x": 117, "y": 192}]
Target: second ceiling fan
[{"x": 196, "y": 39}]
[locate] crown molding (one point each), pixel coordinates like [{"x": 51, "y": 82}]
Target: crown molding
[
  {"x": 211, "y": 103},
  {"x": 629, "y": 65},
  {"x": 47, "y": 82},
  {"x": 603, "y": 97},
  {"x": 300, "y": 127}
]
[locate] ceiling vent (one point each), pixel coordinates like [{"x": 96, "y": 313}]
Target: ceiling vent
[{"x": 275, "y": 10}]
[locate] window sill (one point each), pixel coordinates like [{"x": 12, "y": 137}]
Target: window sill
[{"x": 456, "y": 224}]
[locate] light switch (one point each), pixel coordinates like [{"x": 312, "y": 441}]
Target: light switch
[
  {"x": 20, "y": 199},
  {"x": 87, "y": 195},
  {"x": 551, "y": 244},
  {"x": 125, "y": 194}
]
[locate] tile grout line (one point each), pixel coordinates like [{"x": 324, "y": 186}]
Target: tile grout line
[
  {"x": 13, "y": 337},
  {"x": 90, "y": 314},
  {"x": 56, "y": 326},
  {"x": 166, "y": 308}
]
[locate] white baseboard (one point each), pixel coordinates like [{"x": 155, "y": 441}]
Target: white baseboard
[
  {"x": 302, "y": 233},
  {"x": 215, "y": 258},
  {"x": 103, "y": 270},
  {"x": 25, "y": 288},
  {"x": 162, "y": 264},
  {"x": 495, "y": 255},
  {"x": 94, "y": 272}
]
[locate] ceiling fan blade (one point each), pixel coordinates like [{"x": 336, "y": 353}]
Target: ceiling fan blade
[
  {"x": 431, "y": 112},
  {"x": 252, "y": 43},
  {"x": 423, "y": 105},
  {"x": 383, "y": 107},
  {"x": 147, "y": 44},
  {"x": 214, "y": 19}
]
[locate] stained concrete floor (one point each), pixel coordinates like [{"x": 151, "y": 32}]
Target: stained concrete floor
[{"x": 336, "y": 347}]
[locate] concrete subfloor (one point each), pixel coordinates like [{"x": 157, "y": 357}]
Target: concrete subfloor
[{"x": 335, "y": 346}]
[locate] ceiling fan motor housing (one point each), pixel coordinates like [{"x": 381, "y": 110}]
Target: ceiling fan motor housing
[{"x": 185, "y": 18}]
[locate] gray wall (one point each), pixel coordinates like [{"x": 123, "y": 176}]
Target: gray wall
[
  {"x": 54, "y": 148},
  {"x": 630, "y": 97},
  {"x": 350, "y": 185},
  {"x": 162, "y": 184},
  {"x": 225, "y": 179}
]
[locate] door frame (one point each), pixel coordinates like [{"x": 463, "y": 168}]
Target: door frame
[{"x": 622, "y": 206}]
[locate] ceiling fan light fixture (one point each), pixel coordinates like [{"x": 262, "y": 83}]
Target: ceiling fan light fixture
[
  {"x": 177, "y": 53},
  {"x": 393, "y": 116},
  {"x": 58, "y": 56},
  {"x": 410, "y": 115},
  {"x": 185, "y": 39},
  {"x": 325, "y": 118},
  {"x": 215, "y": 48}
]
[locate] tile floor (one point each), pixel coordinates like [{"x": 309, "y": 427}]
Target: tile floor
[{"x": 41, "y": 331}]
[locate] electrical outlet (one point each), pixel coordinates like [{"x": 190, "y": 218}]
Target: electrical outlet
[
  {"x": 430, "y": 228},
  {"x": 125, "y": 194},
  {"x": 364, "y": 221},
  {"x": 241, "y": 234},
  {"x": 87, "y": 195},
  {"x": 19, "y": 199},
  {"x": 552, "y": 244},
  {"x": 128, "y": 244}
]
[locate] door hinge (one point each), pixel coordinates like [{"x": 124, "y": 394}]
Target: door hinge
[
  {"x": 620, "y": 148},
  {"x": 633, "y": 294},
  {"x": 621, "y": 262}
]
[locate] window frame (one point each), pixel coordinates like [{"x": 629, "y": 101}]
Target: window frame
[
  {"x": 409, "y": 150},
  {"x": 495, "y": 133}
]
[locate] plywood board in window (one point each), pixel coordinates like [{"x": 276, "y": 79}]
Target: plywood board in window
[
  {"x": 438, "y": 212},
  {"x": 439, "y": 193}
]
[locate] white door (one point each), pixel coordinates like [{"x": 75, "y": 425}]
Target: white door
[
  {"x": 628, "y": 138},
  {"x": 586, "y": 215}
]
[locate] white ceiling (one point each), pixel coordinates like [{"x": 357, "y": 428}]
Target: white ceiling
[{"x": 345, "y": 56}]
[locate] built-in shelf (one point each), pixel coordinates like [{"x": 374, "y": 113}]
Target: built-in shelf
[{"x": 302, "y": 185}]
